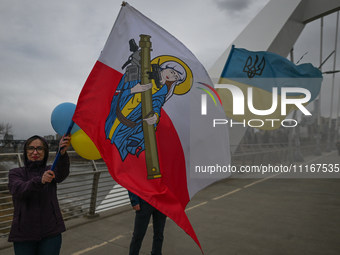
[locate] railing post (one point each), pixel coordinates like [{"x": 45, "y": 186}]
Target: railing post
[
  {"x": 92, "y": 212},
  {"x": 20, "y": 161}
]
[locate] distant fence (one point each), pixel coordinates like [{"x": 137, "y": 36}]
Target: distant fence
[{"x": 90, "y": 189}]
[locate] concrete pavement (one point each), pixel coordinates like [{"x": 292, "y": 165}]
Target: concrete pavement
[{"x": 243, "y": 215}]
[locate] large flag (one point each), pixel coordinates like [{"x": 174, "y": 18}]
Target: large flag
[
  {"x": 255, "y": 84},
  {"x": 182, "y": 152}
]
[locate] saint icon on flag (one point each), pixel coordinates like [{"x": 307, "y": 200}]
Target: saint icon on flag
[{"x": 123, "y": 126}]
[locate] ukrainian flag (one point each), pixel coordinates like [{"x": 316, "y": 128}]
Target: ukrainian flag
[{"x": 263, "y": 77}]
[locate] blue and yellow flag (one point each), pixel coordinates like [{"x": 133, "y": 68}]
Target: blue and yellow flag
[{"x": 261, "y": 88}]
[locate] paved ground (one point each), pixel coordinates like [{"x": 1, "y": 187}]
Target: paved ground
[{"x": 271, "y": 215}]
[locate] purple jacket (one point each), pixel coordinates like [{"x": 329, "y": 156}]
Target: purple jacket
[{"x": 36, "y": 209}]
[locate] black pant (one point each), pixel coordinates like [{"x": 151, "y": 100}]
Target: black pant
[
  {"x": 46, "y": 246},
  {"x": 142, "y": 220}
]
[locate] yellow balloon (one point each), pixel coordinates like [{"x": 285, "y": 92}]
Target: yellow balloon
[{"x": 84, "y": 146}]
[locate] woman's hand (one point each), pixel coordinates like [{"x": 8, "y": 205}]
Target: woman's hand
[
  {"x": 64, "y": 143},
  {"x": 48, "y": 176},
  {"x": 136, "y": 207}
]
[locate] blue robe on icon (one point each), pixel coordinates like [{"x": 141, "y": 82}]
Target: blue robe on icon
[{"x": 130, "y": 139}]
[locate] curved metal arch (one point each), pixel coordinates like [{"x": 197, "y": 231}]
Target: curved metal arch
[
  {"x": 276, "y": 28},
  {"x": 283, "y": 22}
]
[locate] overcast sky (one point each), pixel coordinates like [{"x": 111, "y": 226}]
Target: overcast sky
[{"x": 48, "y": 48}]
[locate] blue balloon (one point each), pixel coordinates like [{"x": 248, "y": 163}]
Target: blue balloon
[{"x": 61, "y": 118}]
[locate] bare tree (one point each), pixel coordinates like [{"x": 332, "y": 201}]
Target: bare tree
[{"x": 5, "y": 129}]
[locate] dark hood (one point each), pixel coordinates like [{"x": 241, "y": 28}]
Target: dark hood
[{"x": 44, "y": 161}]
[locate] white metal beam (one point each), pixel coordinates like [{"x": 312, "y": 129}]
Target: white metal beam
[
  {"x": 275, "y": 29},
  {"x": 316, "y": 9}
]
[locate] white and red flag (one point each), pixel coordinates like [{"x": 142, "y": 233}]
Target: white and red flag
[{"x": 189, "y": 150}]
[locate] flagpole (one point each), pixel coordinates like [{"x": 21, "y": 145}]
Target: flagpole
[
  {"x": 337, "y": 110},
  {"x": 337, "y": 120},
  {"x": 329, "y": 147},
  {"x": 151, "y": 154},
  {"x": 290, "y": 134},
  {"x": 318, "y": 151},
  {"x": 298, "y": 155},
  {"x": 229, "y": 59},
  {"x": 60, "y": 148}
]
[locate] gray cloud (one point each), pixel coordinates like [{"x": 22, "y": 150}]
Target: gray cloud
[
  {"x": 48, "y": 48},
  {"x": 233, "y": 5}
]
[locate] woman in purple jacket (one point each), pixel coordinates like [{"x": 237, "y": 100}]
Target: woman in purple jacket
[{"x": 37, "y": 221}]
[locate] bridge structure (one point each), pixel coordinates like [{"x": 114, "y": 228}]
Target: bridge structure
[
  {"x": 276, "y": 29},
  {"x": 281, "y": 23},
  {"x": 18, "y": 145}
]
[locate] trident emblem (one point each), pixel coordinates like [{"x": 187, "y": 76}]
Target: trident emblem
[{"x": 254, "y": 69}]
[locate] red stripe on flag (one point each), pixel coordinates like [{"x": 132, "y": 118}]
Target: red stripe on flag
[
  {"x": 94, "y": 101},
  {"x": 168, "y": 194}
]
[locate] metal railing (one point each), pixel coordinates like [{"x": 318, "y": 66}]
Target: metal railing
[
  {"x": 90, "y": 189},
  {"x": 87, "y": 191},
  {"x": 270, "y": 153}
]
